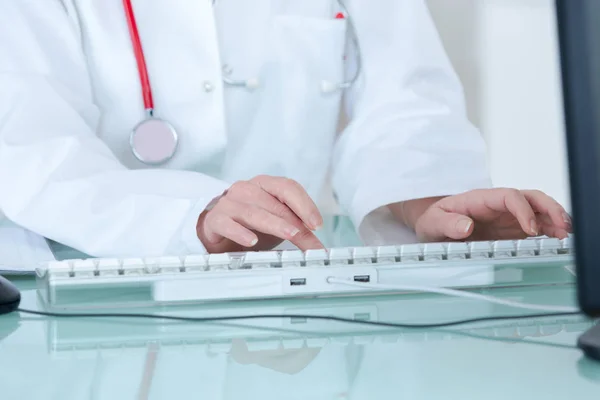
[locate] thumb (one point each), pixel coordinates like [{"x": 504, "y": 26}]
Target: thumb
[{"x": 439, "y": 225}]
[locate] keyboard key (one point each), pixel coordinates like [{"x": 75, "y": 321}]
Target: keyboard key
[
  {"x": 170, "y": 264},
  {"x": 363, "y": 255},
  {"x": 339, "y": 256},
  {"x": 292, "y": 258},
  {"x": 549, "y": 246},
  {"x": 566, "y": 245},
  {"x": 84, "y": 268},
  {"x": 261, "y": 259},
  {"x": 108, "y": 267},
  {"x": 457, "y": 251},
  {"x": 504, "y": 249},
  {"x": 219, "y": 262},
  {"x": 152, "y": 265},
  {"x": 480, "y": 250},
  {"x": 133, "y": 266},
  {"x": 316, "y": 257},
  {"x": 527, "y": 247},
  {"x": 433, "y": 252},
  {"x": 60, "y": 269},
  {"x": 196, "y": 262},
  {"x": 411, "y": 252},
  {"x": 387, "y": 254}
]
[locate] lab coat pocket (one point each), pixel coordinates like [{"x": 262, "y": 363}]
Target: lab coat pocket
[{"x": 307, "y": 64}]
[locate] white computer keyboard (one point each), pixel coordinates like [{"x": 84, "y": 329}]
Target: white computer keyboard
[{"x": 268, "y": 274}]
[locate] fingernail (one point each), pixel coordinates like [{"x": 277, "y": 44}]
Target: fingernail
[
  {"x": 316, "y": 222},
  {"x": 567, "y": 219},
  {"x": 253, "y": 242},
  {"x": 464, "y": 225},
  {"x": 293, "y": 232},
  {"x": 533, "y": 226}
]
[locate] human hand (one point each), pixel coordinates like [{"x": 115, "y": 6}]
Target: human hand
[
  {"x": 493, "y": 214},
  {"x": 288, "y": 361},
  {"x": 259, "y": 214}
]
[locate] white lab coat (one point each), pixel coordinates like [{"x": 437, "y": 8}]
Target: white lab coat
[{"x": 70, "y": 94}]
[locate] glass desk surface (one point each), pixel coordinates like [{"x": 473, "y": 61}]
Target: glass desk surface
[{"x": 53, "y": 358}]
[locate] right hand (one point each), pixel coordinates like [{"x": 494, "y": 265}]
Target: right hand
[
  {"x": 287, "y": 361},
  {"x": 259, "y": 214}
]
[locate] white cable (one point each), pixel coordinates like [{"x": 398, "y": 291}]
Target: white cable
[{"x": 452, "y": 292}]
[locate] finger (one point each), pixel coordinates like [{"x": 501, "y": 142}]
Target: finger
[
  {"x": 218, "y": 226},
  {"x": 498, "y": 200},
  {"x": 292, "y": 362},
  {"x": 253, "y": 195},
  {"x": 548, "y": 228},
  {"x": 515, "y": 202},
  {"x": 307, "y": 240},
  {"x": 258, "y": 219},
  {"x": 439, "y": 225},
  {"x": 543, "y": 203},
  {"x": 294, "y": 196},
  {"x": 554, "y": 232}
]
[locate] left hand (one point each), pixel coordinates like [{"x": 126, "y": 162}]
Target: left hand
[{"x": 493, "y": 214}]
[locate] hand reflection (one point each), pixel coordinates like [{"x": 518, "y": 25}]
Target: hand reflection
[
  {"x": 281, "y": 360},
  {"x": 517, "y": 337}
]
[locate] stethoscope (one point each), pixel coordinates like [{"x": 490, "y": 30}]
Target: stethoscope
[{"x": 154, "y": 141}]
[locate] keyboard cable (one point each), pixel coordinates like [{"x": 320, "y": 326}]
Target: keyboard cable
[{"x": 295, "y": 316}]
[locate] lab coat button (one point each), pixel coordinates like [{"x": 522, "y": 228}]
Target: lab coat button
[
  {"x": 208, "y": 86},
  {"x": 227, "y": 70}
]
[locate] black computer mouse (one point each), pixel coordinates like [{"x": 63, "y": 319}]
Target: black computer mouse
[{"x": 10, "y": 297}]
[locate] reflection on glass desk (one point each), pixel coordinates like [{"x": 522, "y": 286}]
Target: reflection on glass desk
[
  {"x": 54, "y": 358},
  {"x": 114, "y": 359}
]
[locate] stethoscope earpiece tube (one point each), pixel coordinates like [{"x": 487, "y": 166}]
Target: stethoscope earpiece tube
[{"x": 139, "y": 57}]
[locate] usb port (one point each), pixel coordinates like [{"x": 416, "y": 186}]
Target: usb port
[
  {"x": 297, "y": 281},
  {"x": 362, "y": 278}
]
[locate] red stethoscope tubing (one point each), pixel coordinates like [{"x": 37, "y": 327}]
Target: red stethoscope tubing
[{"x": 139, "y": 56}]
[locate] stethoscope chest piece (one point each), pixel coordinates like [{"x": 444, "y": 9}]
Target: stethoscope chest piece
[{"x": 153, "y": 141}]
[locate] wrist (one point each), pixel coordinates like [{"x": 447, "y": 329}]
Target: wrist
[
  {"x": 210, "y": 247},
  {"x": 408, "y": 212},
  {"x": 220, "y": 246}
]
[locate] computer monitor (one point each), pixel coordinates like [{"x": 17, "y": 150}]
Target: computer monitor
[{"x": 579, "y": 43}]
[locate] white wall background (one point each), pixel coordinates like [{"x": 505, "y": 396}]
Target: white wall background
[{"x": 506, "y": 53}]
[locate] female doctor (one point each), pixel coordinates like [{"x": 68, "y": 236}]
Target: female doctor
[{"x": 149, "y": 127}]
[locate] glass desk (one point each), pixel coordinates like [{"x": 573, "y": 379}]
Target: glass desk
[{"x": 51, "y": 358}]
